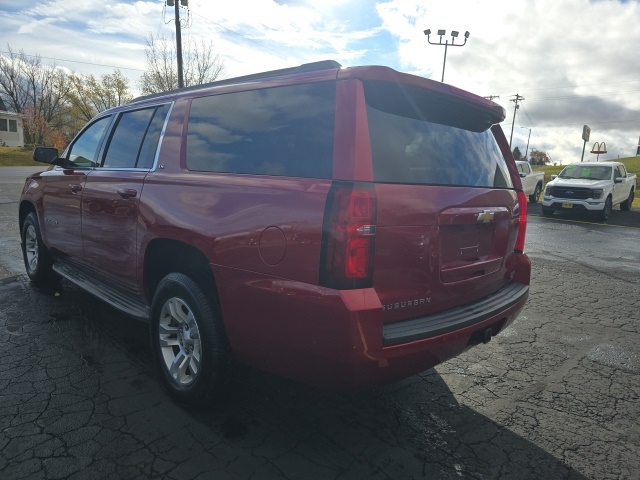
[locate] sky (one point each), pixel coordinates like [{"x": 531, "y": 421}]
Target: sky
[{"x": 575, "y": 62}]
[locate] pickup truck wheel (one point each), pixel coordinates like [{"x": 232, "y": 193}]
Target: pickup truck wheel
[
  {"x": 606, "y": 211},
  {"x": 547, "y": 212},
  {"x": 37, "y": 259},
  {"x": 536, "y": 194},
  {"x": 188, "y": 341},
  {"x": 626, "y": 205}
]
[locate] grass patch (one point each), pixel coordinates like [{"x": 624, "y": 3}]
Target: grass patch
[
  {"x": 631, "y": 163},
  {"x": 16, "y": 157}
]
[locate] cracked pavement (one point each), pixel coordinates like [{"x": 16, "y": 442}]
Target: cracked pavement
[{"x": 555, "y": 396}]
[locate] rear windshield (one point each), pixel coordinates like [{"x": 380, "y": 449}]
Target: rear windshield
[{"x": 423, "y": 138}]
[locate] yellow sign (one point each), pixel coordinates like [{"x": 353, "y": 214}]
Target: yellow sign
[{"x": 599, "y": 148}]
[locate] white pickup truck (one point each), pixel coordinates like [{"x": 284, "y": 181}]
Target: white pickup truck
[
  {"x": 532, "y": 182},
  {"x": 593, "y": 187}
]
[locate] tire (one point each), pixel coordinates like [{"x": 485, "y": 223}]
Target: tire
[
  {"x": 626, "y": 205},
  {"x": 37, "y": 259},
  {"x": 547, "y": 212},
  {"x": 606, "y": 211},
  {"x": 536, "y": 194},
  {"x": 188, "y": 341}
]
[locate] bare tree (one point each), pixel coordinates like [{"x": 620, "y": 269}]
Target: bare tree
[
  {"x": 200, "y": 64},
  {"x": 40, "y": 91}
]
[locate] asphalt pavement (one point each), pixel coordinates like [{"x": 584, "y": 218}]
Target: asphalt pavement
[{"x": 555, "y": 396}]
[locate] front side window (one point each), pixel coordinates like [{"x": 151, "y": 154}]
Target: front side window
[
  {"x": 135, "y": 139},
  {"x": 84, "y": 151},
  {"x": 275, "y": 131},
  {"x": 422, "y": 138}
]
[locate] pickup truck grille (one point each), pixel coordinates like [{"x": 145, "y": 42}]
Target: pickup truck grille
[{"x": 570, "y": 192}]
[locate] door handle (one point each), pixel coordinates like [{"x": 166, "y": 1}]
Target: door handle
[
  {"x": 75, "y": 187},
  {"x": 127, "y": 192}
]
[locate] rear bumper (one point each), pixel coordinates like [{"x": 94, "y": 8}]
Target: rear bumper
[
  {"x": 455, "y": 319},
  {"x": 337, "y": 339}
]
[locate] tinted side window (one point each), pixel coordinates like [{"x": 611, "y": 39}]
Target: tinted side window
[
  {"x": 422, "y": 138},
  {"x": 276, "y": 131},
  {"x": 151, "y": 139},
  {"x": 135, "y": 138},
  {"x": 84, "y": 151}
]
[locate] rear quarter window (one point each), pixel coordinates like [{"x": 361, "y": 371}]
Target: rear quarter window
[
  {"x": 276, "y": 131},
  {"x": 419, "y": 137}
]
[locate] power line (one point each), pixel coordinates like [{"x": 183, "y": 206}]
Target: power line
[
  {"x": 76, "y": 61},
  {"x": 244, "y": 37}
]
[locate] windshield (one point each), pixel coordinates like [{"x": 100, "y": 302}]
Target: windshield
[{"x": 587, "y": 172}]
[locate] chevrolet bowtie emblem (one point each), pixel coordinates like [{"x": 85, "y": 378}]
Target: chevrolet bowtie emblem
[{"x": 486, "y": 216}]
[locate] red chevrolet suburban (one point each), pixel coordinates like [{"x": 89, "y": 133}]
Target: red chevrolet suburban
[{"x": 343, "y": 227}]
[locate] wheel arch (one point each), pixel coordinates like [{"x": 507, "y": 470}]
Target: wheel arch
[
  {"x": 164, "y": 256},
  {"x": 26, "y": 207}
]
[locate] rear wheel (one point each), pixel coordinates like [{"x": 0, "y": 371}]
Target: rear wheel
[
  {"x": 606, "y": 211},
  {"x": 536, "y": 194},
  {"x": 37, "y": 259},
  {"x": 189, "y": 341},
  {"x": 626, "y": 205}
]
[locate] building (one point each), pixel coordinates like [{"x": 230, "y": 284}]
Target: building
[{"x": 11, "y": 133}]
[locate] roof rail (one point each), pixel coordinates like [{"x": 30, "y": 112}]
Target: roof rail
[{"x": 305, "y": 67}]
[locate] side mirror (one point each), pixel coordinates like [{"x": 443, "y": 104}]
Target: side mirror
[
  {"x": 619, "y": 180},
  {"x": 523, "y": 175},
  {"x": 553, "y": 177},
  {"x": 49, "y": 155},
  {"x": 45, "y": 154}
]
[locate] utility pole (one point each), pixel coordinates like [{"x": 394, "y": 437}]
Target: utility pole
[
  {"x": 526, "y": 154},
  {"x": 516, "y": 100},
  {"x": 176, "y": 5}
]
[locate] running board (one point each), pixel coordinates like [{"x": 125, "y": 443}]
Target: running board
[{"x": 125, "y": 302}]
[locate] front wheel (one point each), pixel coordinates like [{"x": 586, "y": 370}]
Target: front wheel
[
  {"x": 536, "y": 194},
  {"x": 37, "y": 259},
  {"x": 188, "y": 341},
  {"x": 626, "y": 205},
  {"x": 606, "y": 211}
]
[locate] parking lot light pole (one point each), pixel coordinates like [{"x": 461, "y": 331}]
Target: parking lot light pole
[{"x": 446, "y": 44}]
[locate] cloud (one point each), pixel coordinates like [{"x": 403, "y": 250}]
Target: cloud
[{"x": 574, "y": 61}]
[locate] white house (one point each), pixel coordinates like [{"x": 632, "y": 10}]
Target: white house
[{"x": 11, "y": 133}]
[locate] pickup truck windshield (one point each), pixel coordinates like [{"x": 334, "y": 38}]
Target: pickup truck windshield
[
  {"x": 420, "y": 137},
  {"x": 586, "y": 172}
]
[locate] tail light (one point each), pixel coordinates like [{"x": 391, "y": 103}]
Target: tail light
[
  {"x": 348, "y": 236},
  {"x": 522, "y": 222}
]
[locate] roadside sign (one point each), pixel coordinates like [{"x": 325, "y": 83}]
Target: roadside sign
[{"x": 586, "y": 131}]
